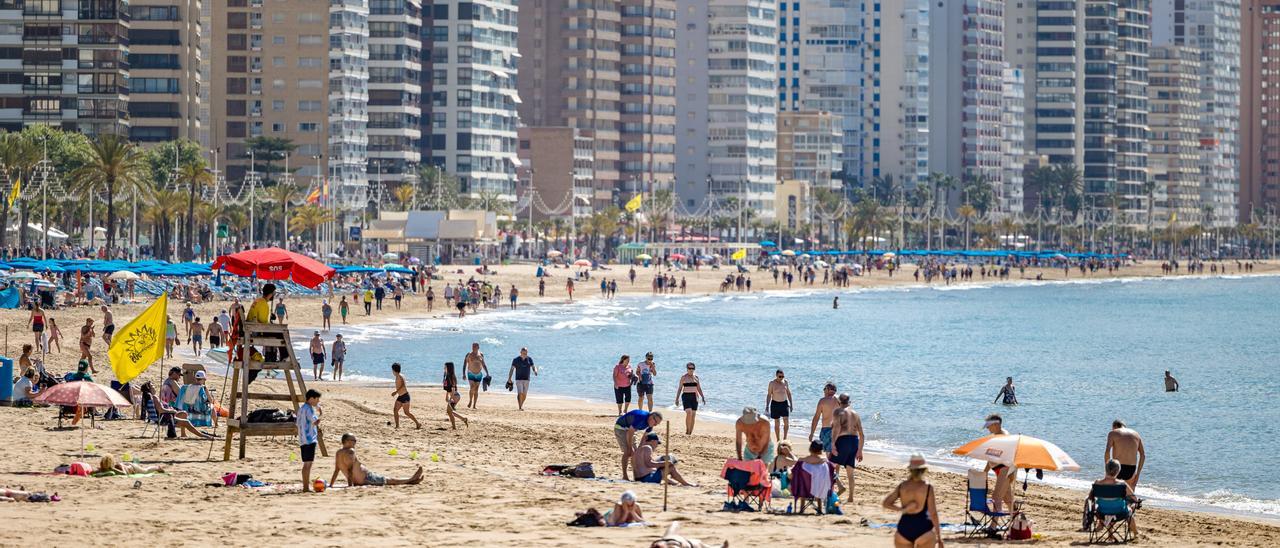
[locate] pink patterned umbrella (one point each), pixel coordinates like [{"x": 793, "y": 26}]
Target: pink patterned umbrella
[{"x": 82, "y": 393}]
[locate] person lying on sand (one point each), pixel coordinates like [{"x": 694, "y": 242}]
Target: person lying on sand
[
  {"x": 671, "y": 540},
  {"x": 109, "y": 463},
  {"x": 345, "y": 461},
  {"x": 627, "y": 510},
  {"x": 17, "y": 495}
]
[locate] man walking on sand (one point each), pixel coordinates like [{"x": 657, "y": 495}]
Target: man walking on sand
[
  {"x": 317, "y": 357},
  {"x": 108, "y": 325},
  {"x": 401, "y": 395},
  {"x": 521, "y": 366},
  {"x": 848, "y": 439},
  {"x": 308, "y": 434},
  {"x": 824, "y": 413},
  {"x": 1125, "y": 445},
  {"x": 476, "y": 371},
  {"x": 778, "y": 400}
]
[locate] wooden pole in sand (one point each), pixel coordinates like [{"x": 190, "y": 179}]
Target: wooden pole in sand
[{"x": 665, "y": 468}]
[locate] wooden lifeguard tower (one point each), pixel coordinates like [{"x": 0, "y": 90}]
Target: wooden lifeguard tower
[{"x": 263, "y": 336}]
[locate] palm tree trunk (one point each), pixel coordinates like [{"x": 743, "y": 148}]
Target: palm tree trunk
[
  {"x": 111, "y": 216},
  {"x": 4, "y": 223},
  {"x": 189, "y": 226},
  {"x": 22, "y": 226}
]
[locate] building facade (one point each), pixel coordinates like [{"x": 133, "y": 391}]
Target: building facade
[
  {"x": 809, "y": 147},
  {"x": 648, "y": 130},
  {"x": 726, "y": 127},
  {"x": 1213, "y": 28},
  {"x": 1174, "y": 92},
  {"x": 347, "y": 146},
  {"x": 1260, "y": 112},
  {"x": 395, "y": 91},
  {"x": 471, "y": 117},
  {"x": 557, "y": 171},
  {"x": 1045, "y": 40},
  {"x": 164, "y": 79},
  {"x": 1009, "y": 192},
  {"x": 821, "y": 67},
  {"x": 67, "y": 68},
  {"x": 893, "y": 132}
]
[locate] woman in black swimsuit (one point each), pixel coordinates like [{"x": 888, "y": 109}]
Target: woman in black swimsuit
[
  {"x": 687, "y": 395},
  {"x": 452, "y": 396},
  {"x": 918, "y": 527}
]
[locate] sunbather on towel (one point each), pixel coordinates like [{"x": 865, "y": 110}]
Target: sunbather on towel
[
  {"x": 345, "y": 461},
  {"x": 626, "y": 511},
  {"x": 15, "y": 495},
  {"x": 109, "y": 463}
]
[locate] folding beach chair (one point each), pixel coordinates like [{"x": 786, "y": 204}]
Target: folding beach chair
[
  {"x": 980, "y": 520},
  {"x": 804, "y": 492},
  {"x": 1108, "y": 512},
  {"x": 153, "y": 418},
  {"x": 748, "y": 487}
]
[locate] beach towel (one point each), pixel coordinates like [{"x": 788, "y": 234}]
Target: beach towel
[
  {"x": 9, "y": 298},
  {"x": 195, "y": 401},
  {"x": 113, "y": 474}
]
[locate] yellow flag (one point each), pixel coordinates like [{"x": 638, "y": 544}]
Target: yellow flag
[
  {"x": 739, "y": 254},
  {"x": 141, "y": 342},
  {"x": 634, "y": 204},
  {"x": 1174, "y": 218},
  {"x": 17, "y": 191}
]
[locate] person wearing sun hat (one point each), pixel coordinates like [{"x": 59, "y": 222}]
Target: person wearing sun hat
[{"x": 913, "y": 498}]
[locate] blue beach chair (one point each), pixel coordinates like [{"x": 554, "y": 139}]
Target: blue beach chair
[
  {"x": 1109, "y": 510},
  {"x": 980, "y": 520}
]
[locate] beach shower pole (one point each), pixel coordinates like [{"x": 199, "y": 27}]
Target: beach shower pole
[{"x": 665, "y": 468}]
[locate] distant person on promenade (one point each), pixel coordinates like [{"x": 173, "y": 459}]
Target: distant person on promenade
[
  {"x": 824, "y": 413},
  {"x": 779, "y": 403},
  {"x": 452, "y": 396},
  {"x": 308, "y": 434},
  {"x": 401, "y": 394},
  {"x": 625, "y": 428},
  {"x": 521, "y": 366},
  {"x": 687, "y": 394},
  {"x": 622, "y": 380},
  {"x": 1125, "y": 445},
  {"x": 1003, "y": 492},
  {"x": 346, "y": 462},
  {"x": 645, "y": 372},
  {"x": 477, "y": 371},
  {"x": 1007, "y": 395},
  {"x": 1170, "y": 383},
  {"x": 338, "y": 356},
  {"x": 848, "y": 440},
  {"x": 755, "y": 432}
]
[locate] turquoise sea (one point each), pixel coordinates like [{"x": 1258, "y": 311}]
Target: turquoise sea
[{"x": 924, "y": 363}]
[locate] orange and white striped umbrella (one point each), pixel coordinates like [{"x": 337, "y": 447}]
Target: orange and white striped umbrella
[{"x": 1019, "y": 452}]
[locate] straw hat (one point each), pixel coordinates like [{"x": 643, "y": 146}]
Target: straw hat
[{"x": 917, "y": 462}]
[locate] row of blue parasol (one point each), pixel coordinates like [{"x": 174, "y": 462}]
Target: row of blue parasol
[
  {"x": 966, "y": 253},
  {"x": 88, "y": 266}
]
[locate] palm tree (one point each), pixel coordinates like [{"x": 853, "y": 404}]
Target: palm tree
[
  {"x": 488, "y": 200},
  {"x": 967, "y": 213},
  {"x": 163, "y": 206},
  {"x": 439, "y": 188},
  {"x": 115, "y": 165},
  {"x": 237, "y": 223},
  {"x": 206, "y": 215},
  {"x": 403, "y": 195},
  {"x": 284, "y": 194},
  {"x": 194, "y": 175},
  {"x": 309, "y": 218},
  {"x": 15, "y": 159},
  {"x": 265, "y": 152}
]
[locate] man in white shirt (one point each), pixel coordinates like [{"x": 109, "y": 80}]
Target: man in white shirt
[{"x": 24, "y": 391}]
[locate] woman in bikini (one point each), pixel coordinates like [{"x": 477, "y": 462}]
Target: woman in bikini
[
  {"x": 919, "y": 526},
  {"x": 37, "y": 320},
  {"x": 687, "y": 394},
  {"x": 452, "y": 396},
  {"x": 401, "y": 395},
  {"x": 55, "y": 335},
  {"x": 110, "y": 464}
]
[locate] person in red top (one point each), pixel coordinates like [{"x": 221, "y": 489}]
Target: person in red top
[{"x": 622, "y": 384}]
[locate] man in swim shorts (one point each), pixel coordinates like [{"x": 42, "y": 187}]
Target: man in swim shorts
[
  {"x": 755, "y": 433},
  {"x": 846, "y": 449},
  {"x": 824, "y": 412},
  {"x": 346, "y": 462},
  {"x": 476, "y": 370},
  {"x": 1125, "y": 445},
  {"x": 779, "y": 405}
]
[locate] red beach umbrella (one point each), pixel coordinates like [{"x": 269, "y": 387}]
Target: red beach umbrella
[{"x": 273, "y": 263}]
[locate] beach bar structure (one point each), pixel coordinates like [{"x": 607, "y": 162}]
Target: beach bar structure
[{"x": 436, "y": 233}]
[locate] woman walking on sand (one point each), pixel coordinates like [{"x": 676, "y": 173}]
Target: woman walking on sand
[
  {"x": 452, "y": 396},
  {"x": 687, "y": 394}
]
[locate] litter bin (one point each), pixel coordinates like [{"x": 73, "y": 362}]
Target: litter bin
[{"x": 6, "y": 379}]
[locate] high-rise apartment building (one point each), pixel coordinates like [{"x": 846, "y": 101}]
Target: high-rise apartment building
[
  {"x": 1174, "y": 92},
  {"x": 349, "y": 101},
  {"x": 556, "y": 172},
  {"x": 893, "y": 126},
  {"x": 1045, "y": 40},
  {"x": 1009, "y": 192},
  {"x": 395, "y": 90},
  {"x": 966, "y": 86},
  {"x": 164, "y": 64},
  {"x": 809, "y": 147},
  {"x": 820, "y": 65},
  {"x": 606, "y": 67},
  {"x": 471, "y": 53},
  {"x": 726, "y": 84},
  {"x": 1260, "y": 112},
  {"x": 1212, "y": 27},
  {"x": 67, "y": 66}
]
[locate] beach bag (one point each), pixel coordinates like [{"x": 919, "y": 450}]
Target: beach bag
[
  {"x": 583, "y": 470},
  {"x": 590, "y": 518},
  {"x": 1020, "y": 527}
]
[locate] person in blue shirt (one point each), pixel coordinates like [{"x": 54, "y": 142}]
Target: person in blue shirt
[
  {"x": 309, "y": 434},
  {"x": 625, "y": 428}
]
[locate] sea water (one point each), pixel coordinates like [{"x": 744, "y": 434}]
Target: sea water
[{"x": 923, "y": 365}]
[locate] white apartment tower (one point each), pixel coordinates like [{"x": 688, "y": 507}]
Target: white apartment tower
[
  {"x": 1212, "y": 27},
  {"x": 395, "y": 91},
  {"x": 348, "y": 103},
  {"x": 1009, "y": 192},
  {"x": 820, "y": 64},
  {"x": 726, "y": 89},
  {"x": 893, "y": 126}
]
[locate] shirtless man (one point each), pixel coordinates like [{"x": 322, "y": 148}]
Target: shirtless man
[
  {"x": 476, "y": 370},
  {"x": 1003, "y": 493},
  {"x": 824, "y": 412},
  {"x": 756, "y": 433},
  {"x": 401, "y": 395},
  {"x": 86, "y": 343},
  {"x": 1125, "y": 445},
  {"x": 317, "y": 357},
  {"x": 1170, "y": 383},
  {"x": 846, "y": 431},
  {"x": 108, "y": 324},
  {"x": 356, "y": 474},
  {"x": 778, "y": 400}
]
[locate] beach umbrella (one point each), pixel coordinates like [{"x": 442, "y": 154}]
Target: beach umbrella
[
  {"x": 582, "y": 262},
  {"x": 1019, "y": 452},
  {"x": 124, "y": 275},
  {"x": 788, "y": 253},
  {"x": 643, "y": 257},
  {"x": 83, "y": 394},
  {"x": 677, "y": 256},
  {"x": 554, "y": 253},
  {"x": 889, "y": 256},
  {"x": 273, "y": 263},
  {"x": 390, "y": 256},
  {"x": 23, "y": 276}
]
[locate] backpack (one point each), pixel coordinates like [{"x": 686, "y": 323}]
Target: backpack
[{"x": 590, "y": 518}]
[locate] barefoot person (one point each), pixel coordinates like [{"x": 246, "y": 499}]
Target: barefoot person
[
  {"x": 625, "y": 428},
  {"x": 648, "y": 468},
  {"x": 919, "y": 526},
  {"x": 755, "y": 432},
  {"x": 401, "y": 395},
  {"x": 1003, "y": 493},
  {"x": 1170, "y": 383},
  {"x": 645, "y": 372},
  {"x": 778, "y": 398},
  {"x": 476, "y": 371},
  {"x": 823, "y": 413},
  {"x": 339, "y": 354},
  {"x": 1125, "y": 445},
  {"x": 848, "y": 439},
  {"x": 108, "y": 324},
  {"x": 452, "y": 396},
  {"x": 86, "y": 343},
  {"x": 346, "y": 462},
  {"x": 521, "y": 366},
  {"x": 622, "y": 376},
  {"x": 308, "y": 434},
  {"x": 687, "y": 394},
  {"x": 317, "y": 356}
]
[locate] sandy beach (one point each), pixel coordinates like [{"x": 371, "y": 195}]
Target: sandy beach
[{"x": 485, "y": 488}]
